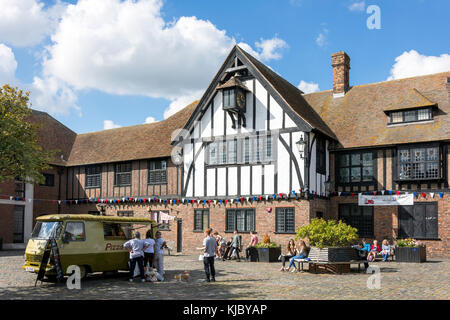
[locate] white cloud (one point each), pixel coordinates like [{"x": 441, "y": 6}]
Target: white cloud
[
  {"x": 308, "y": 87},
  {"x": 27, "y": 22},
  {"x": 322, "y": 39},
  {"x": 412, "y": 63},
  {"x": 150, "y": 120},
  {"x": 52, "y": 95},
  {"x": 109, "y": 124},
  {"x": 357, "y": 6},
  {"x": 181, "y": 102},
  {"x": 8, "y": 65},
  {"x": 127, "y": 48}
]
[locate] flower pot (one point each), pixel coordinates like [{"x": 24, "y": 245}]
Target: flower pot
[
  {"x": 268, "y": 254},
  {"x": 411, "y": 254},
  {"x": 333, "y": 254}
]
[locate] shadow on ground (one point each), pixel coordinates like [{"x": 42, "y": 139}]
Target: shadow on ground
[{"x": 114, "y": 287}]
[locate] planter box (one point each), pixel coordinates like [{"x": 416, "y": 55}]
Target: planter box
[
  {"x": 268, "y": 254},
  {"x": 333, "y": 254},
  {"x": 1, "y": 244},
  {"x": 411, "y": 254}
]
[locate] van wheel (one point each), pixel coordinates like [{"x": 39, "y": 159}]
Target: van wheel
[{"x": 84, "y": 270}]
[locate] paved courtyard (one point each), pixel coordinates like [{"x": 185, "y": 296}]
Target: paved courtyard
[{"x": 236, "y": 280}]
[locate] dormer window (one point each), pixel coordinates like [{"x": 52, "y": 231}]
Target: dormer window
[{"x": 408, "y": 116}]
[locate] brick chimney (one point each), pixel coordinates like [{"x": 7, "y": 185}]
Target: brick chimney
[{"x": 340, "y": 62}]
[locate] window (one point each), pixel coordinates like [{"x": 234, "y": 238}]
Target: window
[
  {"x": 158, "y": 216},
  {"x": 19, "y": 190},
  {"x": 241, "y": 219},
  {"x": 201, "y": 219},
  {"x": 113, "y": 230},
  {"x": 418, "y": 163},
  {"x": 74, "y": 231},
  {"x": 359, "y": 217},
  {"x": 19, "y": 212},
  {"x": 321, "y": 156},
  {"x": 122, "y": 175},
  {"x": 285, "y": 220},
  {"x": 49, "y": 180},
  {"x": 419, "y": 221},
  {"x": 46, "y": 230},
  {"x": 228, "y": 98},
  {"x": 157, "y": 172},
  {"x": 355, "y": 167},
  {"x": 422, "y": 114},
  {"x": 93, "y": 176},
  {"x": 125, "y": 213}
]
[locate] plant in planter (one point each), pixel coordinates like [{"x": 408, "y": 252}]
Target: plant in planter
[
  {"x": 410, "y": 250},
  {"x": 268, "y": 251},
  {"x": 330, "y": 240}
]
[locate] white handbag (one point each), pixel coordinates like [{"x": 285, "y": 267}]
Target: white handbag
[{"x": 200, "y": 257}]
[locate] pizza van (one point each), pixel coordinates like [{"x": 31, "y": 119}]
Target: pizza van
[{"x": 94, "y": 243}]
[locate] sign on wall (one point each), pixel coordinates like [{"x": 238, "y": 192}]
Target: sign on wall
[{"x": 392, "y": 200}]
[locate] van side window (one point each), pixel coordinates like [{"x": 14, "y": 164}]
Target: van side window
[
  {"x": 113, "y": 230},
  {"x": 75, "y": 231}
]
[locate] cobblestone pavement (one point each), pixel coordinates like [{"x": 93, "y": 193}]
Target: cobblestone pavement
[{"x": 236, "y": 280}]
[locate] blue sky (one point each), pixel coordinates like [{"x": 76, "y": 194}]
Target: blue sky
[{"x": 87, "y": 62}]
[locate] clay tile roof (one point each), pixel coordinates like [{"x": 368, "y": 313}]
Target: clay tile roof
[
  {"x": 143, "y": 141},
  {"x": 53, "y": 136},
  {"x": 358, "y": 119},
  {"x": 233, "y": 82},
  {"x": 414, "y": 99},
  {"x": 293, "y": 97}
]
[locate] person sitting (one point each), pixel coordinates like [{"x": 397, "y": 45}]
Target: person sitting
[
  {"x": 374, "y": 249},
  {"x": 301, "y": 253},
  {"x": 385, "y": 249},
  {"x": 362, "y": 253},
  {"x": 290, "y": 252}
]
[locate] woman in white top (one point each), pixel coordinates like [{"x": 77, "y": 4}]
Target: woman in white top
[
  {"x": 149, "y": 253},
  {"x": 159, "y": 253}
]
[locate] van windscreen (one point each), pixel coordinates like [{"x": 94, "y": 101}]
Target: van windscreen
[{"x": 46, "y": 230}]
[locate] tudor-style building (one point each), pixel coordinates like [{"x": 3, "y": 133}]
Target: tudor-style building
[{"x": 256, "y": 153}]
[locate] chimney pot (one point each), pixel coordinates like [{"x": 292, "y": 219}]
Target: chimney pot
[{"x": 340, "y": 62}]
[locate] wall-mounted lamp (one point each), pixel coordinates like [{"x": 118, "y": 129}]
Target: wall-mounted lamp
[{"x": 301, "y": 145}]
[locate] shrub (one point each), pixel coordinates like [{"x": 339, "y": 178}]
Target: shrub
[
  {"x": 408, "y": 243},
  {"x": 266, "y": 245},
  {"x": 266, "y": 239},
  {"x": 329, "y": 233}
]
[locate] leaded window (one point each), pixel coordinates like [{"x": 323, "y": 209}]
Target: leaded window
[
  {"x": 93, "y": 176},
  {"x": 422, "y": 114},
  {"x": 355, "y": 167},
  {"x": 201, "y": 219},
  {"x": 285, "y": 220},
  {"x": 321, "y": 156},
  {"x": 359, "y": 217},
  {"x": 419, "y": 163},
  {"x": 122, "y": 175},
  {"x": 157, "y": 172},
  {"x": 242, "y": 220}
]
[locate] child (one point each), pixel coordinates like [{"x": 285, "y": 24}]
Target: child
[
  {"x": 374, "y": 249},
  {"x": 159, "y": 253},
  {"x": 386, "y": 249}
]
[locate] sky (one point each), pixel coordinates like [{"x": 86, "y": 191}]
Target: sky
[{"x": 101, "y": 64}]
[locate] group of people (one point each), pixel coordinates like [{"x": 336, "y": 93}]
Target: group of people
[
  {"x": 294, "y": 251},
  {"x": 147, "y": 254},
  {"x": 216, "y": 246},
  {"x": 370, "y": 252}
]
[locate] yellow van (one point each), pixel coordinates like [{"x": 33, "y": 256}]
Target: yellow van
[{"x": 94, "y": 243}]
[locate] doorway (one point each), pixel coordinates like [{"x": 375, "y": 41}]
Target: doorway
[{"x": 179, "y": 235}]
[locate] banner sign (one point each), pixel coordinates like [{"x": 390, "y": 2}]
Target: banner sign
[
  {"x": 165, "y": 217},
  {"x": 392, "y": 200},
  {"x": 56, "y": 258}
]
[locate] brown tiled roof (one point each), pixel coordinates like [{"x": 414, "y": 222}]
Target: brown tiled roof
[
  {"x": 358, "y": 118},
  {"x": 292, "y": 95},
  {"x": 53, "y": 136},
  {"x": 233, "y": 82},
  {"x": 143, "y": 141}
]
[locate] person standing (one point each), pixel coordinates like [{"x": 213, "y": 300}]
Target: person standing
[
  {"x": 236, "y": 245},
  {"x": 149, "y": 253},
  {"x": 253, "y": 242},
  {"x": 159, "y": 253},
  {"x": 136, "y": 249},
  {"x": 210, "y": 250}
]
